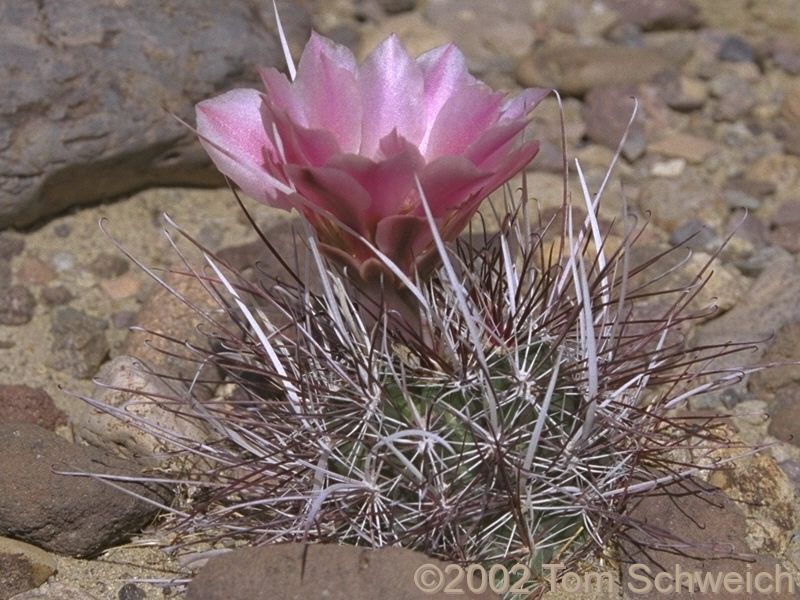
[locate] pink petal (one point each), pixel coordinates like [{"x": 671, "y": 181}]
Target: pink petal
[
  {"x": 444, "y": 70},
  {"x": 331, "y": 193},
  {"x": 513, "y": 164},
  {"x": 300, "y": 145},
  {"x": 448, "y": 182},
  {"x": 391, "y": 96},
  {"x": 232, "y": 131},
  {"x": 282, "y": 95},
  {"x": 467, "y": 114},
  {"x": 523, "y": 103},
  {"x": 388, "y": 183},
  {"x": 491, "y": 148},
  {"x": 327, "y": 86}
]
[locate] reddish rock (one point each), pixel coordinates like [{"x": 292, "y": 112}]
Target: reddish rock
[{"x": 25, "y": 404}]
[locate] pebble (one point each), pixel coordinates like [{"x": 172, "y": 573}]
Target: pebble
[
  {"x": 119, "y": 288},
  {"x": 17, "y": 305},
  {"x": 107, "y": 266},
  {"x": 658, "y": 14},
  {"x": 131, "y": 591},
  {"x": 33, "y": 271},
  {"x": 22, "y": 567},
  {"x": 668, "y": 168},
  {"x": 79, "y": 342},
  {"x": 63, "y": 261},
  {"x": 681, "y": 92},
  {"x": 739, "y": 199},
  {"x": 56, "y": 295},
  {"x": 694, "y": 234},
  {"x": 62, "y": 230},
  {"x": 11, "y": 244},
  {"x": 693, "y": 149},
  {"x": 736, "y": 49},
  {"x": 25, "y": 404},
  {"x": 606, "y": 112},
  {"x": 397, "y": 6},
  {"x": 79, "y": 516},
  {"x": 785, "y": 420}
]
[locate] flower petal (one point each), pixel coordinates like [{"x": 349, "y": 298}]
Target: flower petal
[
  {"x": 523, "y": 103},
  {"x": 331, "y": 192},
  {"x": 467, "y": 114},
  {"x": 300, "y": 145},
  {"x": 444, "y": 70},
  {"x": 282, "y": 95},
  {"x": 232, "y": 131},
  {"x": 327, "y": 85},
  {"x": 391, "y": 96},
  {"x": 448, "y": 182},
  {"x": 388, "y": 182},
  {"x": 491, "y": 148}
]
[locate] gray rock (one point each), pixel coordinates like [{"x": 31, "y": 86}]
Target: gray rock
[
  {"x": 88, "y": 86},
  {"x": 11, "y": 244},
  {"x": 138, "y": 395},
  {"x": 331, "y": 572},
  {"x": 606, "y": 111},
  {"x": 769, "y": 304},
  {"x": 736, "y": 49},
  {"x": 79, "y": 343},
  {"x": 22, "y": 567},
  {"x": 80, "y": 516},
  {"x": 17, "y": 304},
  {"x": 396, "y": 6},
  {"x": 573, "y": 70},
  {"x": 657, "y": 14},
  {"x": 785, "y": 418}
]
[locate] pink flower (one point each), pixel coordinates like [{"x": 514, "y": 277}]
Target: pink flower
[{"x": 342, "y": 144}]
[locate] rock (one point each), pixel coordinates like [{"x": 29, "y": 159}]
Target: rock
[
  {"x": 785, "y": 418},
  {"x": 777, "y": 170},
  {"x": 86, "y": 84},
  {"x": 657, "y": 14},
  {"x": 22, "y": 567},
  {"x": 55, "y": 591},
  {"x": 738, "y": 199},
  {"x": 735, "y": 97},
  {"x": 736, "y": 49},
  {"x": 79, "y": 516},
  {"x": 682, "y": 145},
  {"x": 56, "y": 295},
  {"x": 769, "y": 305},
  {"x": 24, "y": 404},
  {"x": 669, "y": 201},
  {"x": 131, "y": 591},
  {"x": 694, "y": 234},
  {"x": 573, "y": 70},
  {"x": 129, "y": 389},
  {"x": 108, "y": 266},
  {"x": 607, "y": 111},
  {"x": 784, "y": 352},
  {"x": 397, "y": 6},
  {"x": 33, "y": 271},
  {"x": 163, "y": 313},
  {"x": 668, "y": 168},
  {"x": 712, "y": 526},
  {"x": 11, "y": 244},
  {"x": 119, "y": 288},
  {"x": 331, "y": 572},
  {"x": 785, "y": 226},
  {"x": 492, "y": 39},
  {"x": 417, "y": 34},
  {"x": 765, "y": 495},
  {"x": 16, "y": 305},
  {"x": 79, "y": 343},
  {"x": 681, "y": 92}
]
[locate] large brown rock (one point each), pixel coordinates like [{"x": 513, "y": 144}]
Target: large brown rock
[
  {"x": 80, "y": 516},
  {"x": 88, "y": 86}
]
